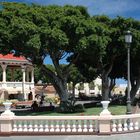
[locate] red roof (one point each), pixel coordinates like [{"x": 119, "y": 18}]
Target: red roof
[{"x": 12, "y": 57}]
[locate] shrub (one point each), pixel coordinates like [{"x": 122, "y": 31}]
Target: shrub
[
  {"x": 55, "y": 100},
  {"x": 1, "y": 101}
]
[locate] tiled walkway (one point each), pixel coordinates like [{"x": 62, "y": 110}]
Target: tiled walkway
[{"x": 130, "y": 136}]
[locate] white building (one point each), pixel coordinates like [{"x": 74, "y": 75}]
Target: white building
[
  {"x": 22, "y": 90},
  {"x": 87, "y": 90}
]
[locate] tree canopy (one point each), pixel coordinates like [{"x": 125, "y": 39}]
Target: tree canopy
[{"x": 94, "y": 44}]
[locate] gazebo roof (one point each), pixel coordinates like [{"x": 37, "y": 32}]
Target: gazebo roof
[{"x": 10, "y": 58}]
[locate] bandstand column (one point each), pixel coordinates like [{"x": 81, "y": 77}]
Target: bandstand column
[
  {"x": 32, "y": 75},
  {"x": 4, "y": 73},
  {"x": 23, "y": 81},
  {"x": 32, "y": 81}
]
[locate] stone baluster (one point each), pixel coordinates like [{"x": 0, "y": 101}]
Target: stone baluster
[
  {"x": 96, "y": 127},
  {"x": 136, "y": 125},
  {"x": 62, "y": 126},
  {"x": 52, "y": 128},
  {"x": 125, "y": 125},
  {"x": 25, "y": 127},
  {"x": 74, "y": 126},
  {"x": 46, "y": 128},
  {"x": 120, "y": 125},
  {"x": 31, "y": 127},
  {"x": 20, "y": 129},
  {"x": 15, "y": 126},
  {"x": 85, "y": 128},
  {"x": 35, "y": 128},
  {"x": 91, "y": 126},
  {"x": 57, "y": 127},
  {"x": 41, "y": 127},
  {"x": 79, "y": 129},
  {"x": 68, "y": 126},
  {"x": 114, "y": 126},
  {"x": 131, "y": 125}
]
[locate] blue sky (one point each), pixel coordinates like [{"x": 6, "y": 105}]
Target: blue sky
[{"x": 111, "y": 8}]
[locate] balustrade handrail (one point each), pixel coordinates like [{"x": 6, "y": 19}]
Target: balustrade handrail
[
  {"x": 56, "y": 118},
  {"x": 95, "y": 117},
  {"x": 125, "y": 116}
]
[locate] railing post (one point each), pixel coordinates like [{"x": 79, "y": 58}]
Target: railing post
[
  {"x": 105, "y": 119},
  {"x": 6, "y": 125},
  {"x": 105, "y": 124},
  {"x": 6, "y": 119}
]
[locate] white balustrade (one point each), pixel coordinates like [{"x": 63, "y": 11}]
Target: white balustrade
[
  {"x": 123, "y": 123},
  {"x": 73, "y": 124},
  {"x": 52, "y": 124}
]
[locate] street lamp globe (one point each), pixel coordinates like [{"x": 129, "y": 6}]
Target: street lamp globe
[{"x": 128, "y": 37}]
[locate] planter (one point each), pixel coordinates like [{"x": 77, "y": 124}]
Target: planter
[
  {"x": 7, "y": 109},
  {"x": 105, "y": 108}
]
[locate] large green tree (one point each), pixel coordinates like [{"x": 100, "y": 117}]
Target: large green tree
[
  {"x": 97, "y": 58},
  {"x": 39, "y": 31},
  {"x": 120, "y": 66},
  {"x": 113, "y": 63}
]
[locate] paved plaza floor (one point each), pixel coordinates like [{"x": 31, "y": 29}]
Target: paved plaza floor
[{"x": 130, "y": 136}]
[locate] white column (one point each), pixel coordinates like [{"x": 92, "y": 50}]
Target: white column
[
  {"x": 32, "y": 75},
  {"x": 32, "y": 81},
  {"x": 4, "y": 73},
  {"x": 86, "y": 88},
  {"x": 23, "y": 74},
  {"x": 23, "y": 81}
]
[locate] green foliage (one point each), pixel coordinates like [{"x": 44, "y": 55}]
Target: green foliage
[
  {"x": 95, "y": 45},
  {"x": 12, "y": 74},
  {"x": 75, "y": 76}
]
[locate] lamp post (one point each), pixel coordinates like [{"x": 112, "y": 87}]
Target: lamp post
[{"x": 128, "y": 41}]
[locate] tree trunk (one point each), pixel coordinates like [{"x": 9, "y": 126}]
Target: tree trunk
[
  {"x": 105, "y": 78},
  {"x": 60, "y": 84},
  {"x": 135, "y": 87},
  {"x": 73, "y": 89},
  {"x": 105, "y": 88},
  {"x": 111, "y": 86},
  {"x": 61, "y": 88}
]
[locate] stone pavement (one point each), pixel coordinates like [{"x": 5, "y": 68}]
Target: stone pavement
[{"x": 130, "y": 136}]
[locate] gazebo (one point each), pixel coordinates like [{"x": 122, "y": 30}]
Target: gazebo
[{"x": 22, "y": 89}]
